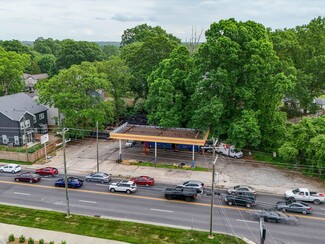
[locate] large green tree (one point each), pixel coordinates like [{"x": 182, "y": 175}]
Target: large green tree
[
  {"x": 238, "y": 77},
  {"x": 74, "y": 52},
  {"x": 47, "y": 46},
  {"x": 144, "y": 54},
  {"x": 71, "y": 91},
  {"x": 12, "y": 66},
  {"x": 168, "y": 92},
  {"x": 116, "y": 74}
]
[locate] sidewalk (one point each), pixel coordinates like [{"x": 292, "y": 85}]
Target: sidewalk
[{"x": 47, "y": 236}]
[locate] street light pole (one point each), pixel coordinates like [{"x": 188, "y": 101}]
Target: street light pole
[
  {"x": 212, "y": 194},
  {"x": 97, "y": 146}
]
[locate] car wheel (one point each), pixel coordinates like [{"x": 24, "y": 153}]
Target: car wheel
[
  {"x": 168, "y": 197},
  {"x": 230, "y": 203},
  {"x": 102, "y": 181},
  {"x": 147, "y": 184},
  {"x": 304, "y": 212},
  {"x": 188, "y": 199},
  {"x": 316, "y": 201},
  {"x": 13, "y": 171},
  {"x": 291, "y": 199},
  {"x": 248, "y": 205},
  {"x": 87, "y": 179},
  {"x": 128, "y": 191},
  {"x": 235, "y": 157},
  {"x": 30, "y": 181},
  {"x": 283, "y": 210},
  {"x": 112, "y": 190},
  {"x": 17, "y": 179},
  {"x": 1, "y": 170}
]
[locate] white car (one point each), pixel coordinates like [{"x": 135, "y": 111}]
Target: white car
[
  {"x": 129, "y": 143},
  {"x": 193, "y": 184},
  {"x": 124, "y": 186},
  {"x": 10, "y": 168}
]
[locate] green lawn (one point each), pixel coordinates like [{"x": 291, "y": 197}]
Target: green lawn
[
  {"x": 168, "y": 166},
  {"x": 15, "y": 162},
  {"x": 105, "y": 228}
]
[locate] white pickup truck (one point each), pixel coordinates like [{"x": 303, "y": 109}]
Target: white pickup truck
[{"x": 303, "y": 194}]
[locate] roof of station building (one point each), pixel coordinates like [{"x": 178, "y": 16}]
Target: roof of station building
[{"x": 160, "y": 134}]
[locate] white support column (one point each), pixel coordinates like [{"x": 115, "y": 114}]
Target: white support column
[
  {"x": 155, "y": 152},
  {"x": 120, "y": 151},
  {"x": 193, "y": 163}
]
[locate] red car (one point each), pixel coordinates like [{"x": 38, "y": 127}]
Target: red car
[
  {"x": 47, "y": 171},
  {"x": 28, "y": 177},
  {"x": 144, "y": 181}
]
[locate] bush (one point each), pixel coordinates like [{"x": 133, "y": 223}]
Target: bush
[
  {"x": 41, "y": 241},
  {"x": 22, "y": 239},
  {"x": 30, "y": 240},
  {"x": 11, "y": 238},
  {"x": 63, "y": 242},
  {"x": 51, "y": 242}
]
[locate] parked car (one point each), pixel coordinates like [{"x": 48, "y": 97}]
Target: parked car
[
  {"x": 187, "y": 194},
  {"x": 129, "y": 143},
  {"x": 99, "y": 177},
  {"x": 73, "y": 182},
  {"x": 241, "y": 188},
  {"x": 193, "y": 184},
  {"x": 241, "y": 199},
  {"x": 296, "y": 207},
  {"x": 144, "y": 181},
  {"x": 28, "y": 177},
  {"x": 47, "y": 171},
  {"x": 303, "y": 194},
  {"x": 10, "y": 168},
  {"x": 124, "y": 186},
  {"x": 229, "y": 150}
]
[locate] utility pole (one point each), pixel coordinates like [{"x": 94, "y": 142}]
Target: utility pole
[
  {"x": 25, "y": 135},
  {"x": 97, "y": 146},
  {"x": 64, "y": 130},
  {"x": 212, "y": 194}
]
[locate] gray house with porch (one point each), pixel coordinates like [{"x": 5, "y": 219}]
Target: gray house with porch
[{"x": 20, "y": 119}]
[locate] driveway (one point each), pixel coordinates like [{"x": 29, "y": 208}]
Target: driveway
[{"x": 81, "y": 158}]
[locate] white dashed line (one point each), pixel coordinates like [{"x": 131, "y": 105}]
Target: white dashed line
[
  {"x": 161, "y": 210},
  {"x": 87, "y": 201},
  {"x": 21, "y": 193}
]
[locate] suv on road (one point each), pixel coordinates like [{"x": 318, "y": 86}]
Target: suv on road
[
  {"x": 124, "y": 186},
  {"x": 241, "y": 199},
  {"x": 187, "y": 194}
]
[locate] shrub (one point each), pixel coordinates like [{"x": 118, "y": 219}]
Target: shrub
[
  {"x": 63, "y": 242},
  {"x": 51, "y": 242},
  {"x": 11, "y": 238},
  {"x": 30, "y": 240},
  {"x": 22, "y": 239},
  {"x": 41, "y": 241}
]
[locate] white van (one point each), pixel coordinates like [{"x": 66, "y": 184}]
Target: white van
[{"x": 229, "y": 150}]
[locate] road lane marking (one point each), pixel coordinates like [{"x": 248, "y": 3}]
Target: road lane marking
[
  {"x": 87, "y": 201},
  {"x": 247, "y": 221},
  {"x": 21, "y": 193},
  {"x": 148, "y": 198},
  {"x": 161, "y": 210}
]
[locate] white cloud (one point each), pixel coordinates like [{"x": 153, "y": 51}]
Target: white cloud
[{"x": 102, "y": 20}]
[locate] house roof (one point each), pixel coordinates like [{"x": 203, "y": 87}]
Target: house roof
[
  {"x": 36, "y": 77},
  {"x": 16, "y": 105},
  {"x": 320, "y": 101}
]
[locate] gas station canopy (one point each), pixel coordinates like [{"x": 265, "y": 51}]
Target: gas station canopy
[{"x": 159, "y": 134}]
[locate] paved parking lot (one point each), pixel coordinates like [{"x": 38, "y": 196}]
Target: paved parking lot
[{"x": 82, "y": 159}]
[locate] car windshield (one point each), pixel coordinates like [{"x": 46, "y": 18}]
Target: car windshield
[{"x": 295, "y": 191}]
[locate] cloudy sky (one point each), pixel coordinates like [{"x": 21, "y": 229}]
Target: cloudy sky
[{"x": 105, "y": 20}]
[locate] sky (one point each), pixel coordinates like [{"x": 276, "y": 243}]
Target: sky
[{"x": 106, "y": 20}]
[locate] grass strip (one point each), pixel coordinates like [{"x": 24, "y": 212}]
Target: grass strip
[
  {"x": 15, "y": 162},
  {"x": 168, "y": 166},
  {"x": 105, "y": 228}
]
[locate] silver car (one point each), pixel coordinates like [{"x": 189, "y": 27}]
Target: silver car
[
  {"x": 193, "y": 184},
  {"x": 99, "y": 177},
  {"x": 241, "y": 188}
]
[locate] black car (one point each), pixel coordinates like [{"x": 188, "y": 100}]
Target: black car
[
  {"x": 296, "y": 207},
  {"x": 187, "y": 194},
  {"x": 241, "y": 199}
]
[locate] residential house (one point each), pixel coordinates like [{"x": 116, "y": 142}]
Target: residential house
[
  {"x": 31, "y": 80},
  {"x": 20, "y": 119}
]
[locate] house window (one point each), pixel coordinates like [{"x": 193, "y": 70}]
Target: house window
[
  {"x": 27, "y": 123},
  {"x": 34, "y": 119},
  {"x": 41, "y": 116},
  {"x": 22, "y": 125},
  {"x": 16, "y": 140},
  {"x": 5, "y": 139}
]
